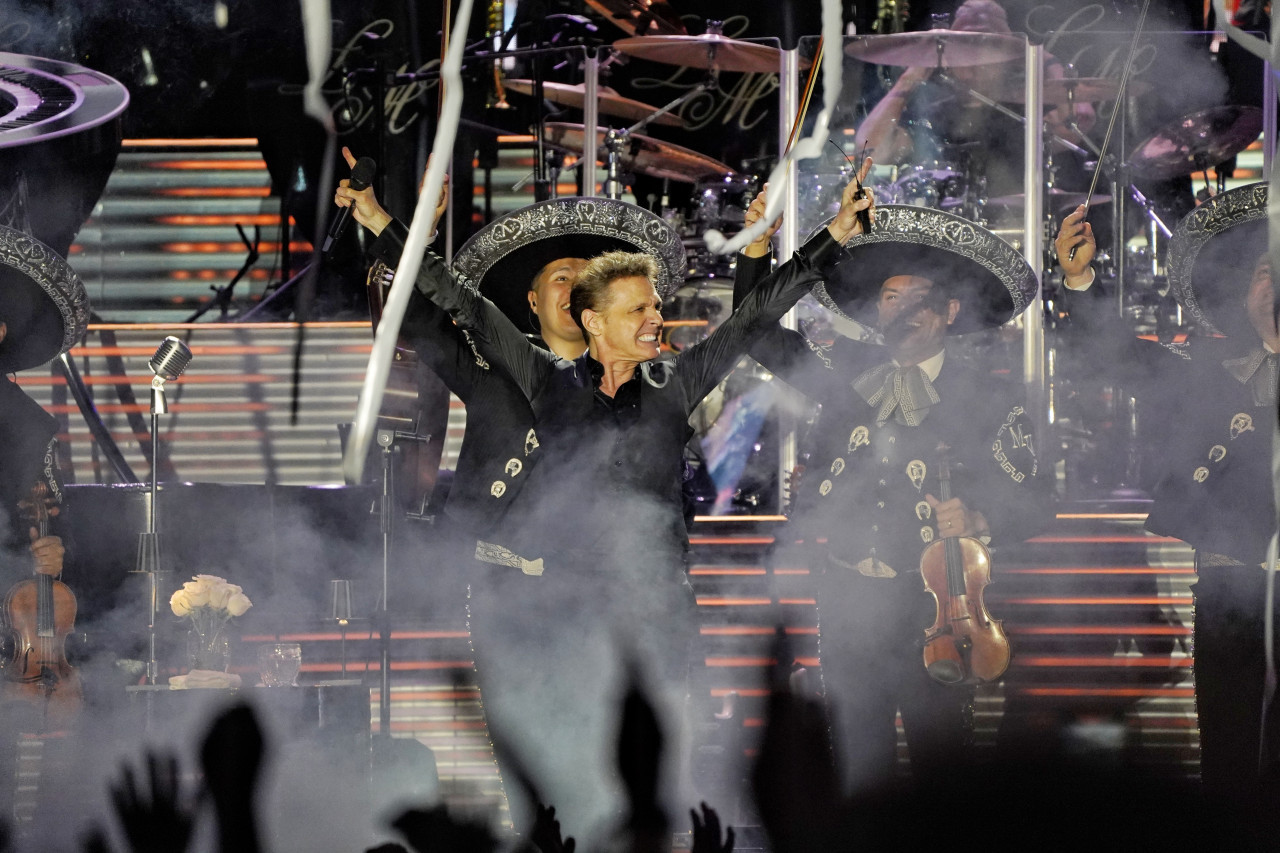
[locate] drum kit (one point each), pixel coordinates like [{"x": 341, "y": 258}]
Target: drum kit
[{"x": 950, "y": 181}]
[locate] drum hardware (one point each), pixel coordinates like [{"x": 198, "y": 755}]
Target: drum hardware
[
  {"x": 712, "y": 51},
  {"x": 941, "y": 48},
  {"x": 640, "y": 17},
  {"x": 608, "y": 101},
  {"x": 642, "y": 154}
]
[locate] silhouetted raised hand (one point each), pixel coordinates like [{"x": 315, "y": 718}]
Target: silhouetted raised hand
[
  {"x": 434, "y": 830},
  {"x": 706, "y": 832},
  {"x": 640, "y": 744},
  {"x": 155, "y": 818},
  {"x": 231, "y": 757},
  {"x": 546, "y": 832},
  {"x": 794, "y": 778}
]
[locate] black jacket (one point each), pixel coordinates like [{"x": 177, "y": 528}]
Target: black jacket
[
  {"x": 864, "y": 485},
  {"x": 607, "y": 490}
]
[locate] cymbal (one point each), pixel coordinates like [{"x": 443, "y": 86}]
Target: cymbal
[
  {"x": 642, "y": 154},
  {"x": 640, "y": 17},
  {"x": 1080, "y": 89},
  {"x": 1058, "y": 199},
  {"x": 607, "y": 100},
  {"x": 1196, "y": 141},
  {"x": 711, "y": 50},
  {"x": 958, "y": 48}
]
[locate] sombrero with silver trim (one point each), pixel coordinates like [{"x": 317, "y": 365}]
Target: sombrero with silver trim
[
  {"x": 43, "y": 304},
  {"x": 992, "y": 281},
  {"x": 1212, "y": 255},
  {"x": 502, "y": 258}
]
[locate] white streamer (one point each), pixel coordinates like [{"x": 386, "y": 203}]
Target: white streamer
[
  {"x": 317, "y": 27},
  {"x": 804, "y": 149},
  {"x": 384, "y": 342}
]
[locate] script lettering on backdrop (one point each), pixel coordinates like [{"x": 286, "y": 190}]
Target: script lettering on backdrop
[
  {"x": 736, "y": 103},
  {"x": 354, "y": 109},
  {"x": 1091, "y": 58}
]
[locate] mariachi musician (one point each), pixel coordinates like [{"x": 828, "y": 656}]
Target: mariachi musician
[
  {"x": 44, "y": 311},
  {"x": 1215, "y": 489},
  {"x": 867, "y": 504}
]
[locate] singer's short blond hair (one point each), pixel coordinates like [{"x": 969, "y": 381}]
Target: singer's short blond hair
[{"x": 591, "y": 290}]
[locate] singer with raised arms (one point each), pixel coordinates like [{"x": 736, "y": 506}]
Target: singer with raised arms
[{"x": 591, "y": 552}]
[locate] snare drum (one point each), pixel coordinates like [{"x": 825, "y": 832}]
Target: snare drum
[{"x": 948, "y": 185}]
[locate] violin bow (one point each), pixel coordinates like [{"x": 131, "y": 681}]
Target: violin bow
[{"x": 1119, "y": 105}]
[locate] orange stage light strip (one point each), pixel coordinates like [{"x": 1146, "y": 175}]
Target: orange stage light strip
[
  {"x": 1148, "y": 661},
  {"x": 215, "y": 192},
  {"x": 1096, "y": 600},
  {"x": 1119, "y": 539},
  {"x": 354, "y": 635},
  {"x": 210, "y": 142},
  {"x": 726, "y": 570},
  {"x": 222, "y": 327},
  {"x": 798, "y": 602},
  {"x": 1103, "y": 516},
  {"x": 195, "y": 351},
  {"x": 188, "y": 379},
  {"x": 175, "y": 408},
  {"x": 1109, "y": 692},
  {"x": 790, "y": 572},
  {"x": 1090, "y": 570},
  {"x": 749, "y": 631},
  {"x": 515, "y": 138},
  {"x": 1097, "y": 630},
  {"x": 752, "y": 692},
  {"x": 221, "y": 219},
  {"x": 1180, "y": 338},
  {"x": 731, "y": 540},
  {"x": 675, "y": 324},
  {"x": 754, "y": 661},
  {"x": 403, "y": 695},
  {"x": 747, "y": 519},
  {"x": 245, "y": 165},
  {"x": 718, "y": 601},
  {"x": 213, "y": 247}
]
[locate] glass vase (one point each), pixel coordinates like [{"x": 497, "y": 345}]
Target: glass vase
[{"x": 208, "y": 650}]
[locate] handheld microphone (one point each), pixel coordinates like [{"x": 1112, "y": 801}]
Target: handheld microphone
[
  {"x": 170, "y": 360},
  {"x": 361, "y": 176}
]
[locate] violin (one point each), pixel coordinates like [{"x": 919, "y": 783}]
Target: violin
[
  {"x": 39, "y": 613},
  {"x": 964, "y": 645}
]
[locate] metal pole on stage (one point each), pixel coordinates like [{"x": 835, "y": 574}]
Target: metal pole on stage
[
  {"x": 590, "y": 122},
  {"x": 1033, "y": 346},
  {"x": 788, "y": 104},
  {"x": 1268, "y": 120}
]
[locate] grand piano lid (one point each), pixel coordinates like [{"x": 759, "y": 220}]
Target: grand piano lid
[{"x": 43, "y": 99}]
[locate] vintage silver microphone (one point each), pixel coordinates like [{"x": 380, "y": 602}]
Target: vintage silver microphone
[
  {"x": 168, "y": 363},
  {"x": 170, "y": 360}
]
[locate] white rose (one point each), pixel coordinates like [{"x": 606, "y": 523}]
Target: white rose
[
  {"x": 219, "y": 594},
  {"x": 180, "y": 603},
  {"x": 197, "y": 593},
  {"x": 238, "y": 603}
]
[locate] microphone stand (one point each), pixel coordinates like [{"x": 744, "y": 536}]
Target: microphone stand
[{"x": 148, "y": 557}]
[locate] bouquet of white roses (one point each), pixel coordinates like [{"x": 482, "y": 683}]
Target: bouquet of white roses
[{"x": 209, "y": 602}]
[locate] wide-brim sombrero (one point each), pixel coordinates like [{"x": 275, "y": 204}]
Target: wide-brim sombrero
[
  {"x": 992, "y": 281},
  {"x": 43, "y": 304},
  {"x": 502, "y": 258},
  {"x": 1212, "y": 255}
]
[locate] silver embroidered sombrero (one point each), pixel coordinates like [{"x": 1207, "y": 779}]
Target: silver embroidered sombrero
[
  {"x": 43, "y": 304},
  {"x": 1212, "y": 254},
  {"x": 992, "y": 281},
  {"x": 502, "y": 258}
]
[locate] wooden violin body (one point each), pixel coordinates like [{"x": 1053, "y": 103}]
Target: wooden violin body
[
  {"x": 964, "y": 645},
  {"x": 39, "y": 613}
]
